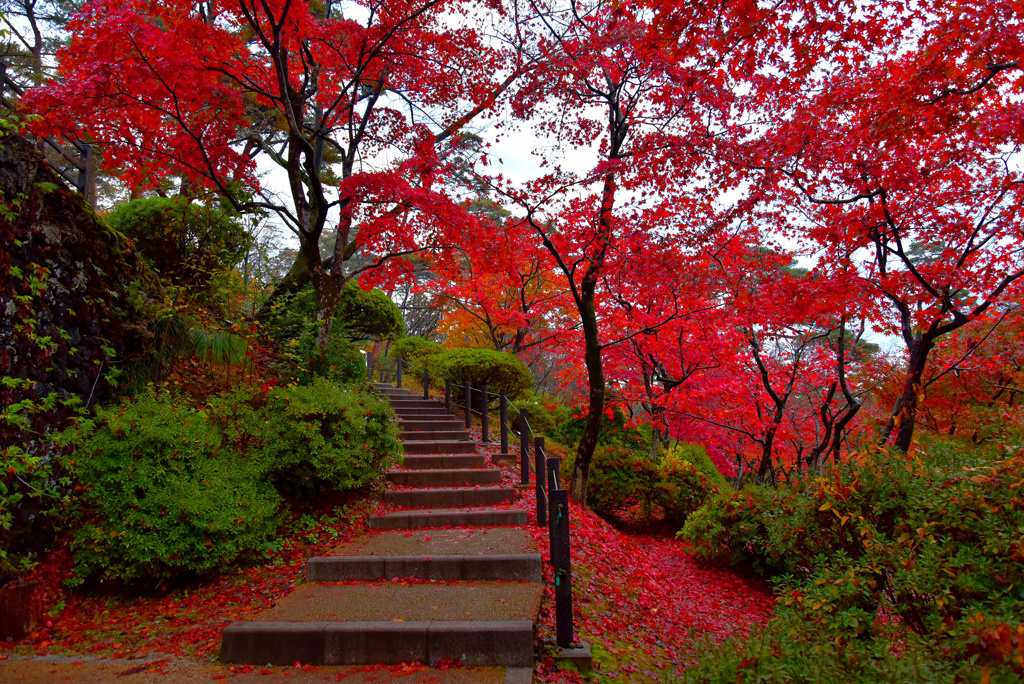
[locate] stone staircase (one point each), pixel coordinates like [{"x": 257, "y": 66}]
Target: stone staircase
[{"x": 409, "y": 591}]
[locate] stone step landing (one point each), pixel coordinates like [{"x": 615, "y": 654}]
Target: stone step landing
[
  {"x": 449, "y": 496},
  {"x": 504, "y": 566},
  {"x": 453, "y": 517},
  {"x": 505, "y": 642},
  {"x": 444, "y": 461},
  {"x": 444, "y": 478}
]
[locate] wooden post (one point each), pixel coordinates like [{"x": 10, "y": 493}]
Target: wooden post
[
  {"x": 561, "y": 561},
  {"x": 485, "y": 418},
  {"x": 398, "y": 374},
  {"x": 448, "y": 394},
  {"x": 503, "y": 402},
  {"x": 426, "y": 384},
  {"x": 524, "y": 447},
  {"x": 469, "y": 405},
  {"x": 553, "y": 465},
  {"x": 541, "y": 466}
]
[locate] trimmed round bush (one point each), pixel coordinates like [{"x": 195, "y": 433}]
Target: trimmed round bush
[
  {"x": 313, "y": 438},
  {"x": 620, "y": 481},
  {"x": 484, "y": 366},
  {"x": 167, "y": 500},
  {"x": 414, "y": 348}
]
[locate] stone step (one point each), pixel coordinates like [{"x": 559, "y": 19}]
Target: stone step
[
  {"x": 443, "y": 461},
  {"x": 506, "y": 567},
  {"x": 453, "y": 477},
  {"x": 422, "y": 519},
  {"x": 428, "y": 424},
  {"x": 448, "y": 446},
  {"x": 425, "y": 412},
  {"x": 449, "y": 497},
  {"x": 437, "y": 435},
  {"x": 472, "y": 643},
  {"x": 415, "y": 402}
]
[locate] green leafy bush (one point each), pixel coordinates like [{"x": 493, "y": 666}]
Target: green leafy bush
[
  {"x": 620, "y": 481},
  {"x": 414, "y": 348},
  {"x": 183, "y": 240},
  {"x": 484, "y": 366},
  {"x": 615, "y": 429},
  {"x": 340, "y": 361},
  {"x": 312, "y": 438},
  {"x": 167, "y": 500},
  {"x": 938, "y": 546},
  {"x": 546, "y": 413},
  {"x": 368, "y": 314},
  {"x": 682, "y": 488}
]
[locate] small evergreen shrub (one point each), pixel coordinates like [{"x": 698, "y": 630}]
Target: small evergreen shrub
[
  {"x": 484, "y": 366},
  {"x": 182, "y": 240},
  {"x": 682, "y": 488},
  {"x": 313, "y": 438},
  {"x": 414, "y": 348},
  {"x": 546, "y": 414},
  {"x": 615, "y": 430},
  {"x": 166, "y": 501},
  {"x": 914, "y": 537},
  {"x": 620, "y": 481}
]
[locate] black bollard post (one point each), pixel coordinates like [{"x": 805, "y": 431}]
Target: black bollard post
[
  {"x": 426, "y": 384},
  {"x": 562, "y": 566},
  {"x": 448, "y": 394},
  {"x": 553, "y": 465},
  {"x": 542, "y": 501},
  {"x": 398, "y": 374},
  {"x": 503, "y": 402},
  {"x": 524, "y": 447},
  {"x": 485, "y": 418},
  {"x": 469, "y": 405}
]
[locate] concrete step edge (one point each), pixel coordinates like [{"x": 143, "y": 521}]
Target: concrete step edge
[
  {"x": 510, "y": 566},
  {"x": 419, "y": 519},
  {"x": 505, "y": 642}
]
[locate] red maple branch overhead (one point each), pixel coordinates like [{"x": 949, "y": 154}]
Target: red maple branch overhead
[{"x": 351, "y": 111}]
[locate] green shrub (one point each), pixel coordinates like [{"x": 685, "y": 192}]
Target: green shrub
[
  {"x": 182, "y": 240},
  {"x": 367, "y": 314},
  {"x": 167, "y": 500},
  {"x": 340, "y": 361},
  {"x": 312, "y": 438},
  {"x": 615, "y": 430},
  {"x": 940, "y": 547},
  {"x": 682, "y": 488},
  {"x": 698, "y": 456},
  {"x": 620, "y": 481},
  {"x": 546, "y": 414},
  {"x": 414, "y": 348},
  {"x": 484, "y": 366}
]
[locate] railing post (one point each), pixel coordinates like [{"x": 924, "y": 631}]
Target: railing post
[
  {"x": 469, "y": 405},
  {"x": 85, "y": 172},
  {"x": 541, "y": 466},
  {"x": 485, "y": 418},
  {"x": 553, "y": 466},
  {"x": 561, "y": 561},
  {"x": 398, "y": 373},
  {"x": 503, "y": 403},
  {"x": 448, "y": 394},
  {"x": 426, "y": 384},
  {"x": 524, "y": 447}
]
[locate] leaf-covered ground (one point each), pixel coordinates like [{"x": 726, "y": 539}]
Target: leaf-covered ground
[{"x": 641, "y": 602}]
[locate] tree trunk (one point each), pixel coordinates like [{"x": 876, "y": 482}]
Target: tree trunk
[
  {"x": 907, "y": 404},
  {"x": 595, "y": 378}
]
